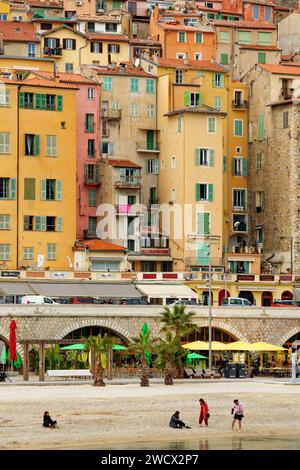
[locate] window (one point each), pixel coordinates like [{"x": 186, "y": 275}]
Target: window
[
  {"x": 239, "y": 199},
  {"x": 28, "y": 252},
  {"x": 259, "y": 161},
  {"x": 4, "y": 97},
  {"x": 51, "y": 146},
  {"x": 29, "y": 189},
  {"x": 4, "y": 221},
  {"x": 116, "y": 104},
  {"x": 261, "y": 58},
  {"x": 203, "y": 224},
  {"x": 178, "y": 76},
  {"x": 218, "y": 103},
  {"x": 50, "y": 102},
  {"x": 198, "y": 38},
  {"x": 50, "y": 224},
  {"x": 218, "y": 80},
  {"x": 107, "y": 148},
  {"x": 4, "y": 142},
  {"x": 46, "y": 27},
  {"x": 113, "y": 48},
  {"x": 224, "y": 37},
  {"x": 28, "y": 100},
  {"x": 198, "y": 56},
  {"x": 91, "y": 148},
  {"x": 204, "y": 192},
  {"x": 181, "y": 55},
  {"x": 224, "y": 164},
  {"x": 224, "y": 59},
  {"x": 132, "y": 8},
  {"x": 150, "y": 112},
  {"x": 116, "y": 4},
  {"x": 91, "y": 93},
  {"x": 134, "y": 85},
  {"x": 51, "y": 190},
  {"x": 244, "y": 37},
  {"x": 111, "y": 27},
  {"x": 3, "y": 17},
  {"x": 92, "y": 225},
  {"x": 267, "y": 13},
  {"x": 69, "y": 68},
  {"x": 4, "y": 252},
  {"x": 96, "y": 47},
  {"x": 134, "y": 111},
  {"x": 91, "y": 27},
  {"x": 31, "y": 48},
  {"x": 28, "y": 223},
  {"x": 204, "y": 157},
  {"x": 32, "y": 144},
  {"x": 152, "y": 166},
  {"x": 255, "y": 12},
  {"x": 7, "y": 188},
  {"x": 285, "y": 116},
  {"x": 51, "y": 251},
  {"x": 131, "y": 200},
  {"x": 238, "y": 127},
  {"x": 173, "y": 163},
  {"x": 239, "y": 166},
  {"x": 259, "y": 236},
  {"x": 69, "y": 44},
  {"x": 261, "y": 126},
  {"x": 107, "y": 83},
  {"x": 259, "y": 201},
  {"x": 149, "y": 86},
  {"x": 89, "y": 123},
  {"x": 264, "y": 38},
  {"x": 192, "y": 99},
  {"x": 179, "y": 124},
  {"x": 92, "y": 198},
  {"x": 211, "y": 125},
  {"x": 181, "y": 36}
]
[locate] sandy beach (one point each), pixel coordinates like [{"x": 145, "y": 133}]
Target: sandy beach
[{"x": 89, "y": 416}]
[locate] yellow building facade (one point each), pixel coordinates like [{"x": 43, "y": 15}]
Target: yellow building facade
[{"x": 38, "y": 173}]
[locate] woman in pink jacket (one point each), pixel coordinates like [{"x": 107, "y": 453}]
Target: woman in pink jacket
[{"x": 204, "y": 414}]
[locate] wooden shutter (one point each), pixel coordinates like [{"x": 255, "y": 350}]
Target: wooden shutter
[
  {"x": 187, "y": 98},
  {"x": 200, "y": 99},
  {"x": 245, "y": 167},
  {"x": 59, "y": 103},
  {"x": 211, "y": 157},
  {"x": 197, "y": 191},
  {"x": 29, "y": 189},
  {"x": 57, "y": 43},
  {"x": 59, "y": 224},
  {"x": 64, "y": 43},
  {"x": 156, "y": 167},
  {"x": 197, "y": 156},
  {"x": 214, "y": 80},
  {"x": 58, "y": 190},
  {"x": 222, "y": 81},
  {"x": 36, "y": 149},
  {"x": 38, "y": 101},
  {"x": 206, "y": 223},
  {"x": 43, "y": 223},
  {"x": 74, "y": 44},
  {"x": 37, "y": 223},
  {"x": 43, "y": 102},
  {"x": 21, "y": 100},
  {"x": 210, "y": 192},
  {"x": 43, "y": 190},
  {"x": 13, "y": 188}
]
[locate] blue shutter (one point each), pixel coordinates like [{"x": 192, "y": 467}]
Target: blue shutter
[
  {"x": 37, "y": 145},
  {"x": 58, "y": 188},
  {"x": 43, "y": 190},
  {"x": 59, "y": 103},
  {"x": 13, "y": 188},
  {"x": 210, "y": 192},
  {"x": 37, "y": 223}
]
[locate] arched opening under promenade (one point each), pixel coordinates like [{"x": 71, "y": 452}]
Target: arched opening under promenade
[{"x": 217, "y": 335}]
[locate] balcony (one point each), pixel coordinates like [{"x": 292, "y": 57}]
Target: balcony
[
  {"x": 111, "y": 114},
  {"x": 287, "y": 93},
  {"x": 91, "y": 180},
  {"x": 241, "y": 227},
  {"x": 148, "y": 147},
  {"x": 239, "y": 208},
  {"x": 52, "y": 51},
  {"x": 239, "y": 104},
  {"x": 155, "y": 251},
  {"x": 132, "y": 182}
]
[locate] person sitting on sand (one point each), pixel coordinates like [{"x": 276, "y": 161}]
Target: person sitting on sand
[
  {"x": 175, "y": 422},
  {"x": 48, "y": 422}
]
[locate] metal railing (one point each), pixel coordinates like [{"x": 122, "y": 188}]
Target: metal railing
[{"x": 148, "y": 147}]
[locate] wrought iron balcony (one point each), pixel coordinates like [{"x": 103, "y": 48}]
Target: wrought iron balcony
[{"x": 148, "y": 147}]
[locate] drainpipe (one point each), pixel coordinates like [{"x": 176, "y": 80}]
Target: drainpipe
[
  {"x": 82, "y": 47},
  {"x": 18, "y": 176}
]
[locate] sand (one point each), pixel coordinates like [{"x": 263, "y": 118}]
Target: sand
[{"x": 90, "y": 416}]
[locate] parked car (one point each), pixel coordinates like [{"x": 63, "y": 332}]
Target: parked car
[
  {"x": 236, "y": 302},
  {"x": 134, "y": 302},
  {"x": 184, "y": 302},
  {"x": 285, "y": 303},
  {"x": 84, "y": 300},
  {"x": 37, "y": 299}
]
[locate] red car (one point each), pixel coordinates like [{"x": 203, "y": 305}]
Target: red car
[{"x": 286, "y": 303}]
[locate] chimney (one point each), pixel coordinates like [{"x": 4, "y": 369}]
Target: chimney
[{"x": 55, "y": 71}]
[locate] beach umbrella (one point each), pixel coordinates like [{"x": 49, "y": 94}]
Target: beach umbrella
[
  {"x": 265, "y": 347},
  {"x": 119, "y": 347},
  {"x": 196, "y": 346},
  {"x": 239, "y": 346},
  {"x": 144, "y": 331},
  {"x": 12, "y": 341},
  {"x": 3, "y": 355},
  {"x": 76, "y": 347},
  {"x": 195, "y": 356}
]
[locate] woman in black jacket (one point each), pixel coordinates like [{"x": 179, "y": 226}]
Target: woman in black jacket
[{"x": 48, "y": 422}]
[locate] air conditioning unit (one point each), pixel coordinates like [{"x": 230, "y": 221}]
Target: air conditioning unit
[{"x": 78, "y": 3}]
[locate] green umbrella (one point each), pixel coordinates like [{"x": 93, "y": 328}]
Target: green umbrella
[
  {"x": 3, "y": 355},
  {"x": 78, "y": 347},
  {"x": 18, "y": 362},
  {"x": 195, "y": 356},
  {"x": 119, "y": 347},
  {"x": 144, "y": 331}
]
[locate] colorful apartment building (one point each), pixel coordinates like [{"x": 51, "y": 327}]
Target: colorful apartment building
[
  {"x": 19, "y": 38},
  {"x": 38, "y": 175}
]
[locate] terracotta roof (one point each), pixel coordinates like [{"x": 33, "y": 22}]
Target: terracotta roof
[
  {"x": 203, "y": 109},
  {"x": 123, "y": 164},
  {"x": 38, "y": 82},
  {"x": 48, "y": 3},
  {"x": 18, "y": 31},
  {"x": 282, "y": 69},
  {"x": 287, "y": 57},
  {"x": 129, "y": 71},
  {"x": 63, "y": 26},
  {"x": 144, "y": 42},
  {"x": 101, "y": 245},
  {"x": 68, "y": 78},
  {"x": 261, "y": 2},
  {"x": 193, "y": 64},
  {"x": 108, "y": 37},
  {"x": 260, "y": 48},
  {"x": 281, "y": 7},
  {"x": 183, "y": 27},
  {"x": 243, "y": 24}
]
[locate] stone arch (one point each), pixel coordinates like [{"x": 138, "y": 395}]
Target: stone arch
[
  {"x": 222, "y": 325},
  {"x": 288, "y": 335},
  {"x": 109, "y": 324}
]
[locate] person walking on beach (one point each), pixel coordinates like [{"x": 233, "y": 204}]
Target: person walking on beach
[
  {"x": 48, "y": 422},
  {"x": 204, "y": 414},
  {"x": 238, "y": 414},
  {"x": 175, "y": 422}
]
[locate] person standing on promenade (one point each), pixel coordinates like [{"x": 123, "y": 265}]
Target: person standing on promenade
[
  {"x": 204, "y": 414},
  {"x": 238, "y": 414}
]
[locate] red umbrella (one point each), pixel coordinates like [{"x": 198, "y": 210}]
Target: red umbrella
[{"x": 12, "y": 341}]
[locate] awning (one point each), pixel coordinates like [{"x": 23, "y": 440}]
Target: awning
[
  {"x": 103, "y": 290},
  {"x": 149, "y": 258},
  {"x": 164, "y": 291},
  {"x": 15, "y": 288}
]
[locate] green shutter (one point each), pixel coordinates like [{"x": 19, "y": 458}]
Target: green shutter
[
  {"x": 197, "y": 191},
  {"x": 36, "y": 145},
  {"x": 261, "y": 126},
  {"x": 210, "y": 192},
  {"x": 224, "y": 59},
  {"x": 206, "y": 223},
  {"x": 200, "y": 99},
  {"x": 222, "y": 81},
  {"x": 211, "y": 157},
  {"x": 43, "y": 101},
  {"x": 43, "y": 223},
  {"x": 187, "y": 98},
  {"x": 59, "y": 224},
  {"x": 58, "y": 188},
  {"x": 13, "y": 188},
  {"x": 59, "y": 103},
  {"x": 43, "y": 190},
  {"x": 244, "y": 37},
  {"x": 214, "y": 80},
  {"x": 21, "y": 100},
  {"x": 37, "y": 223},
  {"x": 261, "y": 57},
  {"x": 245, "y": 167},
  {"x": 38, "y": 100},
  {"x": 197, "y": 157}
]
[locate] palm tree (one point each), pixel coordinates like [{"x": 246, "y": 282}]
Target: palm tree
[
  {"x": 142, "y": 345},
  {"x": 100, "y": 345},
  {"x": 170, "y": 354}
]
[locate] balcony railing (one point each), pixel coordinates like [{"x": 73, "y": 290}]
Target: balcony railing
[
  {"x": 148, "y": 147},
  {"x": 239, "y": 207},
  {"x": 111, "y": 114},
  {"x": 53, "y": 51},
  {"x": 239, "y": 104},
  {"x": 93, "y": 180},
  {"x": 241, "y": 227},
  {"x": 128, "y": 181}
]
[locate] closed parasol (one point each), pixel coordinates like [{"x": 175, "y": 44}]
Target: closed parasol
[{"x": 12, "y": 341}]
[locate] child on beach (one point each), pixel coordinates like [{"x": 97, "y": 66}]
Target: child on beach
[
  {"x": 175, "y": 422},
  {"x": 204, "y": 414},
  {"x": 48, "y": 422},
  {"x": 238, "y": 414}
]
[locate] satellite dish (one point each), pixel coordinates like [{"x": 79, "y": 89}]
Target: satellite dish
[{"x": 137, "y": 62}]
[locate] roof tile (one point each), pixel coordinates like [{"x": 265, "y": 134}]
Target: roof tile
[{"x": 18, "y": 31}]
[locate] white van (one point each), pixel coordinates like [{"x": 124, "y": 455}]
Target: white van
[
  {"x": 236, "y": 302},
  {"x": 37, "y": 299}
]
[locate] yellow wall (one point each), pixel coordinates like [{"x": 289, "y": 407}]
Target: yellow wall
[
  {"x": 4, "y": 8},
  {"x": 45, "y": 65}
]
